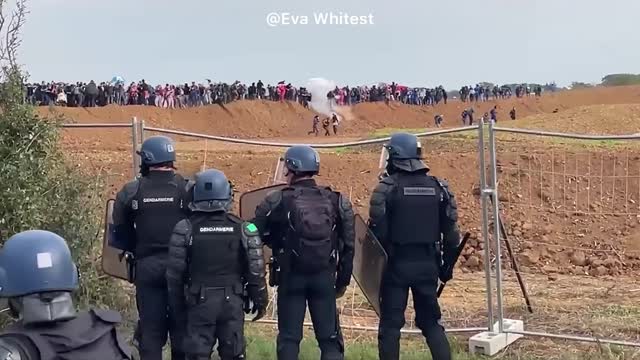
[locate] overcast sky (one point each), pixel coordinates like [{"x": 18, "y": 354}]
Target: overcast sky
[{"x": 413, "y": 42}]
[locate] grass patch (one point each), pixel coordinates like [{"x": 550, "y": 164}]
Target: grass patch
[
  {"x": 620, "y": 311},
  {"x": 386, "y": 132},
  {"x": 470, "y": 135},
  {"x": 343, "y": 150},
  {"x": 509, "y": 137},
  {"x": 261, "y": 344},
  {"x": 598, "y": 144}
]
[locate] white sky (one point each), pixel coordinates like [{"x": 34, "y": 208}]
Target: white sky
[{"x": 413, "y": 42}]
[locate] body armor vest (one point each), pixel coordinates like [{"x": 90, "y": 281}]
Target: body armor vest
[
  {"x": 90, "y": 335},
  {"x": 415, "y": 210},
  {"x": 216, "y": 254},
  {"x": 158, "y": 206}
]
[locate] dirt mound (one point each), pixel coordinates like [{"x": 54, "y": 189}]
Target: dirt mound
[
  {"x": 380, "y": 115},
  {"x": 266, "y": 119},
  {"x": 574, "y": 231},
  {"x": 245, "y": 119},
  {"x": 242, "y": 119},
  {"x": 554, "y": 227},
  {"x": 594, "y": 119}
]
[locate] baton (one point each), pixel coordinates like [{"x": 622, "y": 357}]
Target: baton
[{"x": 455, "y": 258}]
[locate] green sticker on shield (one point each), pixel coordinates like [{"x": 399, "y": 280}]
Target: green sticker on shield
[{"x": 251, "y": 227}]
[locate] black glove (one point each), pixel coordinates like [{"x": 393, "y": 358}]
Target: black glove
[
  {"x": 446, "y": 273},
  {"x": 340, "y": 291},
  {"x": 260, "y": 298},
  {"x": 342, "y": 280}
]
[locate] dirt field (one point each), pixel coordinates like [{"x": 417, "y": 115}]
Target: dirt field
[{"x": 571, "y": 207}]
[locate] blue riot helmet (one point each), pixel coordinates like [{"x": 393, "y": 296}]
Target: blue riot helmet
[
  {"x": 403, "y": 152},
  {"x": 212, "y": 191},
  {"x": 157, "y": 150},
  {"x": 302, "y": 159},
  {"x": 404, "y": 146},
  {"x": 37, "y": 274}
]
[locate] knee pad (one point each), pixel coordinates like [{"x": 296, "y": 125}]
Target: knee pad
[
  {"x": 335, "y": 341},
  {"x": 429, "y": 323},
  {"x": 232, "y": 347}
]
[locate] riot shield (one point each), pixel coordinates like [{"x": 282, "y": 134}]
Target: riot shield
[
  {"x": 113, "y": 261},
  {"x": 249, "y": 201},
  {"x": 278, "y": 177},
  {"x": 369, "y": 262}
]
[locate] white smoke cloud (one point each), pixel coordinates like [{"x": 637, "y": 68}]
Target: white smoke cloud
[{"x": 319, "y": 87}]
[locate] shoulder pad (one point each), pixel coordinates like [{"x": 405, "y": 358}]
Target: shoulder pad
[
  {"x": 189, "y": 185},
  {"x": 444, "y": 185},
  {"x": 130, "y": 189},
  {"x": 275, "y": 197},
  {"x": 183, "y": 227},
  {"x": 388, "y": 180},
  {"x": 109, "y": 316},
  {"x": 270, "y": 203},
  {"x": 345, "y": 209},
  {"x": 179, "y": 181},
  {"x": 11, "y": 350},
  {"x": 344, "y": 203},
  {"x": 234, "y": 218},
  {"x": 250, "y": 229},
  {"x": 385, "y": 186},
  {"x": 179, "y": 177}
]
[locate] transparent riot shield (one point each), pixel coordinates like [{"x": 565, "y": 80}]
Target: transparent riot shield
[
  {"x": 369, "y": 262},
  {"x": 385, "y": 157},
  {"x": 249, "y": 201},
  {"x": 278, "y": 177},
  {"x": 113, "y": 260}
]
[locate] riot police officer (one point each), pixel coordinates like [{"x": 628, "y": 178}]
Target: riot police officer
[
  {"x": 144, "y": 214},
  {"x": 413, "y": 215},
  {"x": 311, "y": 231},
  {"x": 212, "y": 254},
  {"x": 38, "y": 275}
]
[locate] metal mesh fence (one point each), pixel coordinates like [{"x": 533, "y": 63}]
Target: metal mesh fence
[
  {"x": 570, "y": 210},
  {"x": 570, "y": 206}
]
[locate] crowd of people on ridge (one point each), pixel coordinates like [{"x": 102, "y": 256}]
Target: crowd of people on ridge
[
  {"x": 94, "y": 94},
  {"x": 485, "y": 93}
]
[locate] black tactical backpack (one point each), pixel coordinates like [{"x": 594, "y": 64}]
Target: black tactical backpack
[{"x": 311, "y": 217}]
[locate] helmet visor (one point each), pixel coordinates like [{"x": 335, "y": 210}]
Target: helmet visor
[
  {"x": 279, "y": 176},
  {"x": 384, "y": 158}
]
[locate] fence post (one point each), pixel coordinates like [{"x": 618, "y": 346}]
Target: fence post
[
  {"x": 134, "y": 143},
  {"x": 485, "y": 222},
  {"x": 141, "y": 122},
  {"x": 496, "y": 224}
]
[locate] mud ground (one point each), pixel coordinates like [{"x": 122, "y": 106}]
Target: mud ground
[{"x": 571, "y": 207}]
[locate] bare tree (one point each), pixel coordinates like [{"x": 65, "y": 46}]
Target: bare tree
[{"x": 10, "y": 39}]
